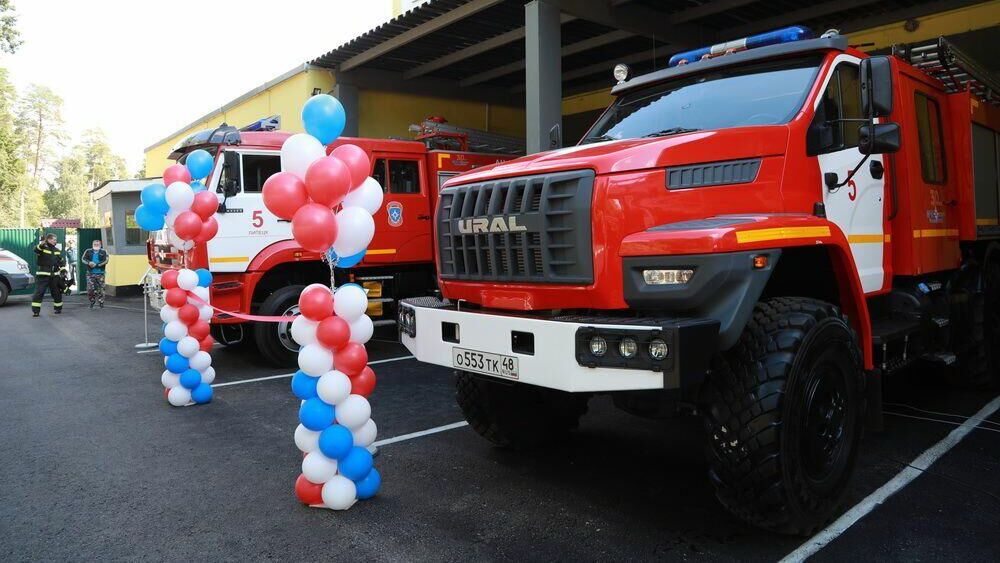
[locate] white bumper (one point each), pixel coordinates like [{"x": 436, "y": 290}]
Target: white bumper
[{"x": 553, "y": 363}]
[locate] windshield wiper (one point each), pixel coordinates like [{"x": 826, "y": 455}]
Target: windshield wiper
[
  {"x": 599, "y": 139},
  {"x": 672, "y": 131}
]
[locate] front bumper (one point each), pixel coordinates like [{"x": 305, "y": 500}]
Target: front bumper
[
  {"x": 20, "y": 281},
  {"x": 553, "y": 352}
]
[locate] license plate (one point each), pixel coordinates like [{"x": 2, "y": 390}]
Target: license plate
[{"x": 483, "y": 362}]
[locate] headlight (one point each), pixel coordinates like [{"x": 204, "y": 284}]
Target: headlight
[
  {"x": 22, "y": 266},
  {"x": 627, "y": 347},
  {"x": 621, "y": 72},
  {"x": 667, "y": 277},
  {"x": 658, "y": 349},
  {"x": 598, "y": 346}
]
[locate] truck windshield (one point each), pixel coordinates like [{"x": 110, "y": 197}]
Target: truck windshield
[{"x": 759, "y": 94}]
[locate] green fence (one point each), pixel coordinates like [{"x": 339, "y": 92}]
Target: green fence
[
  {"x": 21, "y": 241},
  {"x": 84, "y": 238}
]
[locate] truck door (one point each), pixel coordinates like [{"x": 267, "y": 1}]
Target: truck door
[
  {"x": 246, "y": 227},
  {"x": 857, "y": 208},
  {"x": 403, "y": 225}
]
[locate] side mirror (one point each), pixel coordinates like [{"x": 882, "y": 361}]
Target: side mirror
[
  {"x": 876, "y": 86},
  {"x": 555, "y": 137},
  {"x": 230, "y": 182},
  {"x": 879, "y": 138}
]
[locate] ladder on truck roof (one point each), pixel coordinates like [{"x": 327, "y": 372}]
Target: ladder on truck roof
[
  {"x": 436, "y": 133},
  {"x": 956, "y": 70}
]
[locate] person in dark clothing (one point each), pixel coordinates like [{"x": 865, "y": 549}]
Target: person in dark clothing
[
  {"x": 48, "y": 275},
  {"x": 95, "y": 258}
]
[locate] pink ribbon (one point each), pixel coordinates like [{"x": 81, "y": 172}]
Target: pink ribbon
[{"x": 257, "y": 318}]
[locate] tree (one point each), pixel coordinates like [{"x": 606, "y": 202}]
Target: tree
[
  {"x": 11, "y": 166},
  {"x": 39, "y": 127},
  {"x": 89, "y": 164},
  {"x": 10, "y": 37}
]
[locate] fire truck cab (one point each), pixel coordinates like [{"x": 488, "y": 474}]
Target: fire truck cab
[
  {"x": 760, "y": 233},
  {"x": 257, "y": 266}
]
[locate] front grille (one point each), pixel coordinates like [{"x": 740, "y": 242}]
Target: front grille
[{"x": 530, "y": 229}]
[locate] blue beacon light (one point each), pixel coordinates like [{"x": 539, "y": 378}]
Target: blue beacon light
[{"x": 778, "y": 36}]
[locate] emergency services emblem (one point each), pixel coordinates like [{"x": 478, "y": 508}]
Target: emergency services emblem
[{"x": 395, "y": 212}]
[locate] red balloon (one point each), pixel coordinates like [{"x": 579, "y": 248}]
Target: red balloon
[
  {"x": 363, "y": 383},
  {"x": 328, "y": 180},
  {"x": 175, "y": 297},
  {"x": 176, "y": 173},
  {"x": 308, "y": 492},
  {"x": 188, "y": 314},
  {"x": 205, "y": 204},
  {"x": 188, "y": 225},
  {"x": 316, "y": 304},
  {"x": 209, "y": 229},
  {"x": 284, "y": 194},
  {"x": 168, "y": 279},
  {"x": 351, "y": 359},
  {"x": 314, "y": 227},
  {"x": 333, "y": 332},
  {"x": 198, "y": 330},
  {"x": 357, "y": 162},
  {"x": 206, "y": 343}
]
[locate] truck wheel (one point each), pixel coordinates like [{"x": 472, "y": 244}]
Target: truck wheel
[
  {"x": 274, "y": 340},
  {"x": 978, "y": 363},
  {"x": 783, "y": 412},
  {"x": 517, "y": 416},
  {"x": 4, "y": 292}
]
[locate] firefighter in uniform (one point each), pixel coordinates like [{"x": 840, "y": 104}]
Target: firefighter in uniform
[{"x": 51, "y": 268}]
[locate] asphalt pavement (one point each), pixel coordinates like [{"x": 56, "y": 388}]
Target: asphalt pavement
[{"x": 96, "y": 465}]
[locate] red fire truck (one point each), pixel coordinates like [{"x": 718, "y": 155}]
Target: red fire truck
[
  {"x": 259, "y": 269},
  {"x": 760, "y": 232}
]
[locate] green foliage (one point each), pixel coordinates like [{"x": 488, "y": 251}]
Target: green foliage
[
  {"x": 10, "y": 37},
  {"x": 87, "y": 166}
]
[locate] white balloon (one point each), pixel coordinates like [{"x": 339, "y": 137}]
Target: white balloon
[
  {"x": 304, "y": 331},
  {"x": 179, "y": 396},
  {"x": 339, "y": 493},
  {"x": 368, "y": 196},
  {"x": 333, "y": 387},
  {"x": 306, "y": 440},
  {"x": 365, "y": 436},
  {"x": 362, "y": 329},
  {"x": 354, "y": 411},
  {"x": 175, "y": 330},
  {"x": 179, "y": 243},
  {"x": 187, "y": 346},
  {"x": 187, "y": 279},
  {"x": 298, "y": 152},
  {"x": 355, "y": 229},
  {"x": 318, "y": 468},
  {"x": 208, "y": 375},
  {"x": 201, "y": 360},
  {"x": 350, "y": 302},
  {"x": 315, "y": 360},
  {"x": 168, "y": 314},
  {"x": 205, "y": 312},
  {"x": 170, "y": 380},
  {"x": 180, "y": 196},
  {"x": 169, "y": 219},
  {"x": 201, "y": 293}
]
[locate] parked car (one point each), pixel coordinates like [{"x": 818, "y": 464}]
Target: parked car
[{"x": 14, "y": 274}]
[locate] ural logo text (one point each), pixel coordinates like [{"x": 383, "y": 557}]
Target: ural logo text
[{"x": 487, "y": 225}]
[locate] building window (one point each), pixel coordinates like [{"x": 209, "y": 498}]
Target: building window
[
  {"x": 134, "y": 235},
  {"x": 931, "y": 138},
  {"x": 109, "y": 230},
  {"x": 256, "y": 169},
  {"x": 404, "y": 177},
  {"x": 842, "y": 100}
]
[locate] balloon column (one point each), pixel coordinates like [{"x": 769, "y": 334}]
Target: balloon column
[
  {"x": 186, "y": 341},
  {"x": 330, "y": 200},
  {"x": 182, "y": 204}
]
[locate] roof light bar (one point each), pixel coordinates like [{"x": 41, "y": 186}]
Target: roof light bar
[{"x": 783, "y": 35}]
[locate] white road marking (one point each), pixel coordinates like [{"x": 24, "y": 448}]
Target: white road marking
[
  {"x": 270, "y": 377},
  {"x": 902, "y": 479},
  {"x": 427, "y": 432}
]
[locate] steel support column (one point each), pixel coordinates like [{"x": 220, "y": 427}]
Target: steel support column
[
  {"x": 348, "y": 96},
  {"x": 543, "y": 74}
]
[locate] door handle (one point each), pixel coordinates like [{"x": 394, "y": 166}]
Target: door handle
[
  {"x": 876, "y": 169},
  {"x": 423, "y": 217}
]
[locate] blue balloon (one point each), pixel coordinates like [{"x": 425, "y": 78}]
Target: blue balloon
[
  {"x": 149, "y": 219},
  {"x": 202, "y": 393},
  {"x": 204, "y": 277},
  {"x": 191, "y": 378},
  {"x": 177, "y": 363},
  {"x": 304, "y": 386},
  {"x": 336, "y": 442},
  {"x": 324, "y": 117},
  {"x": 154, "y": 197},
  {"x": 316, "y": 415},
  {"x": 353, "y": 260},
  {"x": 356, "y": 464},
  {"x": 167, "y": 347},
  {"x": 367, "y": 487},
  {"x": 199, "y": 164},
  {"x": 198, "y": 186}
]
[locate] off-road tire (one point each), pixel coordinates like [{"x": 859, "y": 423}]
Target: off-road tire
[
  {"x": 796, "y": 358},
  {"x": 265, "y": 335},
  {"x": 517, "y": 415},
  {"x": 978, "y": 346}
]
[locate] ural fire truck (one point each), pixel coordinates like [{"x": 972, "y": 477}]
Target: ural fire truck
[
  {"x": 760, "y": 232},
  {"x": 259, "y": 269}
]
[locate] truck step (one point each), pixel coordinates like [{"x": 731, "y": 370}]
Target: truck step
[
  {"x": 892, "y": 329},
  {"x": 940, "y": 358},
  {"x": 384, "y": 322},
  {"x": 941, "y": 322}
]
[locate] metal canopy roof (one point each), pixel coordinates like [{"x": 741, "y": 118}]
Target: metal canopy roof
[{"x": 480, "y": 43}]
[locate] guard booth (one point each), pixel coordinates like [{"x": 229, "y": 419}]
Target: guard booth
[{"x": 123, "y": 239}]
